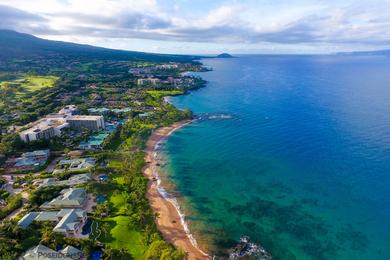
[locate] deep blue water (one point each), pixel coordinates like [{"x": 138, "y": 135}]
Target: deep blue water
[{"x": 303, "y": 165}]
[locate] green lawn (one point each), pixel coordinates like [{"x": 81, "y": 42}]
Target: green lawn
[
  {"x": 118, "y": 201},
  {"x": 35, "y": 83},
  {"x": 29, "y": 84},
  {"x": 163, "y": 93},
  {"x": 120, "y": 234}
]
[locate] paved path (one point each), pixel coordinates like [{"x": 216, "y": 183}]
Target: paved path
[
  {"x": 50, "y": 168},
  {"x": 16, "y": 212}
]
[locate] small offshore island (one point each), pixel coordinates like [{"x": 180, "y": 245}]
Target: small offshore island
[
  {"x": 224, "y": 56},
  {"x": 75, "y": 124}
]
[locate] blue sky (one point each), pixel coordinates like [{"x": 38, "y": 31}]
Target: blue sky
[{"x": 202, "y": 27}]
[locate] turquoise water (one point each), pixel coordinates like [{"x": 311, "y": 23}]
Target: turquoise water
[{"x": 303, "y": 164}]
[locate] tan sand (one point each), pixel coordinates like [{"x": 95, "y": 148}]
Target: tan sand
[{"x": 168, "y": 219}]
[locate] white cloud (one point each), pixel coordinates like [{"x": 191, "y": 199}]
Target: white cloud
[{"x": 298, "y": 22}]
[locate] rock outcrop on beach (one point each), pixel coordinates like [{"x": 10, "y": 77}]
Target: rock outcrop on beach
[{"x": 246, "y": 249}]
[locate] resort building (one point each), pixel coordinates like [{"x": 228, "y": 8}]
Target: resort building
[
  {"x": 68, "y": 110},
  {"x": 98, "y": 111},
  {"x": 41, "y": 252},
  {"x": 94, "y": 123},
  {"x": 74, "y": 165},
  {"x": 104, "y": 110},
  {"x": 53, "y": 124},
  {"x": 167, "y": 66},
  {"x": 140, "y": 71},
  {"x": 44, "y": 129},
  {"x": 28, "y": 161},
  {"x": 147, "y": 81},
  {"x": 145, "y": 114},
  {"x": 69, "y": 198}
]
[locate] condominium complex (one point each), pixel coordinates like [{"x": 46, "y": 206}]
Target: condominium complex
[
  {"x": 148, "y": 81},
  {"x": 53, "y": 124},
  {"x": 45, "y": 128},
  {"x": 95, "y": 123}
]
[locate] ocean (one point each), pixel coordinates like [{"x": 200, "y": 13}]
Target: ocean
[{"x": 292, "y": 151}]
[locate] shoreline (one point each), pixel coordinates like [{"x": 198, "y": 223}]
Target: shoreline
[{"x": 170, "y": 220}]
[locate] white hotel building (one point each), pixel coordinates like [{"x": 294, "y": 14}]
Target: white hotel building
[{"x": 52, "y": 125}]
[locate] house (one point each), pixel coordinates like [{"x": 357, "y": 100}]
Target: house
[
  {"x": 41, "y": 252},
  {"x": 121, "y": 110},
  {"x": 74, "y": 165},
  {"x": 69, "y": 198},
  {"x": 27, "y": 219},
  {"x": 67, "y": 221},
  {"x": 71, "y": 223},
  {"x": 45, "y": 182},
  {"x": 104, "y": 110},
  {"x": 73, "y": 253},
  {"x": 78, "y": 179},
  {"x": 145, "y": 114},
  {"x": 73, "y": 180},
  {"x": 29, "y": 160},
  {"x": 98, "y": 111}
]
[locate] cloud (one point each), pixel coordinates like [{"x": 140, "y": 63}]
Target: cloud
[
  {"x": 247, "y": 22},
  {"x": 19, "y": 20}
]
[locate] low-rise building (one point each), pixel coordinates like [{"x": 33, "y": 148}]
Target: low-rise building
[
  {"x": 41, "y": 252},
  {"x": 71, "y": 223},
  {"x": 73, "y": 253},
  {"x": 168, "y": 66},
  {"x": 69, "y": 110},
  {"x": 74, "y": 165},
  {"x": 69, "y": 198},
  {"x": 28, "y": 161},
  {"x": 94, "y": 142},
  {"x": 98, "y": 111},
  {"x": 72, "y": 181}
]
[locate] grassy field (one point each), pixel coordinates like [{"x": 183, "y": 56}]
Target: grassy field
[
  {"x": 119, "y": 232},
  {"x": 29, "y": 84},
  {"x": 163, "y": 93}
]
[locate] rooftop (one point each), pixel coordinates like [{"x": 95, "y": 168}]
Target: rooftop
[
  {"x": 41, "y": 252},
  {"x": 83, "y": 117},
  {"x": 72, "y": 197},
  {"x": 37, "y": 153},
  {"x": 69, "y": 222},
  {"x": 27, "y": 219}
]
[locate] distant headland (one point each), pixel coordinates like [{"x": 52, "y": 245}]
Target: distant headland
[{"x": 224, "y": 55}]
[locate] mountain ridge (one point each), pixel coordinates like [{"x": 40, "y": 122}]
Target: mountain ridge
[{"x": 21, "y": 45}]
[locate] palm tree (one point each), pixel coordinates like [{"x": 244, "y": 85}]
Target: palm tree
[
  {"x": 106, "y": 228},
  {"x": 107, "y": 253},
  {"x": 47, "y": 234}
]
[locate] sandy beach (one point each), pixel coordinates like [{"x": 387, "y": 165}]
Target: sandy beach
[{"x": 168, "y": 221}]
